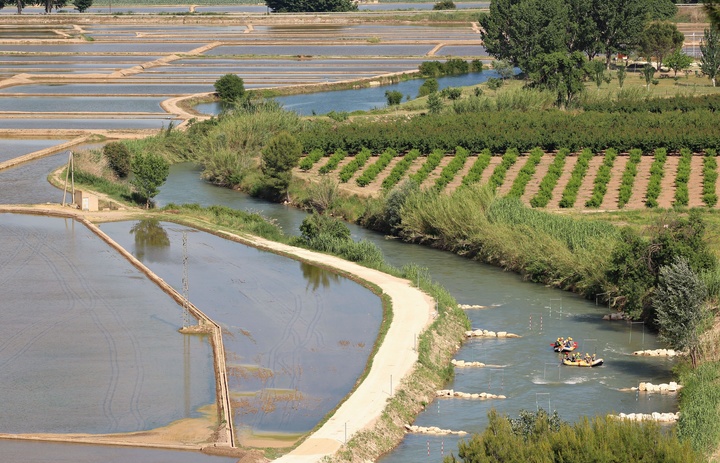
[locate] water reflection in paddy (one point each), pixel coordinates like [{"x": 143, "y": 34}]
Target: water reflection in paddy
[
  {"x": 296, "y": 336},
  {"x": 322, "y": 50},
  {"x": 85, "y": 124},
  {"x": 90, "y": 345},
  {"x": 110, "y": 88},
  {"x": 13, "y": 148},
  {"x": 81, "y": 104},
  {"x": 27, "y": 183}
]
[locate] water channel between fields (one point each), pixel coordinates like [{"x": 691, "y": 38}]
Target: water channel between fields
[{"x": 526, "y": 370}]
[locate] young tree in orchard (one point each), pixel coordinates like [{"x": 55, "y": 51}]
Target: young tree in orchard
[
  {"x": 621, "y": 74},
  {"x": 710, "y": 50},
  {"x": 678, "y": 61},
  {"x": 310, "y": 6},
  {"x": 658, "y": 39},
  {"x": 279, "y": 158},
  {"x": 679, "y": 307},
  {"x": 149, "y": 172}
]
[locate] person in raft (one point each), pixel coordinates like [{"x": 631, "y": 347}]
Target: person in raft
[
  {"x": 559, "y": 342},
  {"x": 569, "y": 342}
]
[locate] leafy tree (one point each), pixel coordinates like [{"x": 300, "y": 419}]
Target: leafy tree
[
  {"x": 494, "y": 83},
  {"x": 712, "y": 9},
  {"x": 149, "y": 172},
  {"x": 119, "y": 158},
  {"x": 678, "y": 61},
  {"x": 660, "y": 38},
  {"x": 503, "y": 68},
  {"x": 82, "y": 5},
  {"x": 279, "y": 157},
  {"x": 597, "y": 71},
  {"x": 562, "y": 73},
  {"x": 444, "y": 5},
  {"x": 679, "y": 307},
  {"x": 434, "y": 103},
  {"x": 710, "y": 49},
  {"x": 661, "y": 10},
  {"x": 230, "y": 88},
  {"x": 619, "y": 24},
  {"x": 451, "y": 93},
  {"x": 428, "y": 87},
  {"x": 582, "y": 32},
  {"x": 310, "y": 6},
  {"x": 520, "y": 30},
  {"x": 621, "y": 74},
  {"x": 648, "y": 72},
  {"x": 393, "y": 97}
]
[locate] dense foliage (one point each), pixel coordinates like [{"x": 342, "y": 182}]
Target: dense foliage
[
  {"x": 149, "y": 172},
  {"x": 628, "y": 178},
  {"x": 508, "y": 160},
  {"x": 657, "y": 172},
  {"x": 547, "y": 184},
  {"x": 310, "y": 6},
  {"x": 674, "y": 103},
  {"x": 710, "y": 176},
  {"x": 333, "y": 161},
  {"x": 570, "y": 192},
  {"x": 431, "y": 162},
  {"x": 400, "y": 168},
  {"x": 372, "y": 171},
  {"x": 449, "y": 171},
  {"x": 119, "y": 157},
  {"x": 279, "y": 157},
  {"x": 356, "y": 164},
  {"x": 309, "y": 161},
  {"x": 601, "y": 179},
  {"x": 229, "y": 88},
  {"x": 682, "y": 194},
  {"x": 526, "y": 173},
  {"x": 475, "y": 173}
]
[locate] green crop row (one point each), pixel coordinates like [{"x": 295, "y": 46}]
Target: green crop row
[
  {"x": 601, "y": 179},
  {"x": 628, "y": 177},
  {"x": 432, "y": 161},
  {"x": 709, "y": 178},
  {"x": 657, "y": 105},
  {"x": 333, "y": 161},
  {"x": 372, "y": 171},
  {"x": 353, "y": 166},
  {"x": 400, "y": 168},
  {"x": 657, "y": 171},
  {"x": 308, "y": 161},
  {"x": 547, "y": 185},
  {"x": 481, "y": 163},
  {"x": 498, "y": 176},
  {"x": 448, "y": 173},
  {"x": 526, "y": 173},
  {"x": 682, "y": 195},
  {"x": 578, "y": 174}
]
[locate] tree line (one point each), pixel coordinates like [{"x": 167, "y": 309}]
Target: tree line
[{"x": 80, "y": 5}]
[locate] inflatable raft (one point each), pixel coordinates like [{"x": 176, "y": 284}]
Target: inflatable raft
[
  {"x": 565, "y": 347},
  {"x": 582, "y": 363}
]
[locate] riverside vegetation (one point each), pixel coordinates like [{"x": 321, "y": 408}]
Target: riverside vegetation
[{"x": 592, "y": 257}]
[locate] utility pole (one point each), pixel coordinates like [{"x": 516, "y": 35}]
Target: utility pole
[
  {"x": 69, "y": 172},
  {"x": 185, "y": 286}
]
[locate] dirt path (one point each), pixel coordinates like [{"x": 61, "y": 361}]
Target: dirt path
[{"x": 695, "y": 183}]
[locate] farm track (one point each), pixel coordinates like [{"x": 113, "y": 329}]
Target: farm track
[{"x": 666, "y": 199}]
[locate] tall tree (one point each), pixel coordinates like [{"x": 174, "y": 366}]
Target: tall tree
[
  {"x": 710, "y": 49},
  {"x": 679, "y": 307},
  {"x": 582, "y": 32},
  {"x": 564, "y": 73},
  {"x": 310, "y": 6},
  {"x": 279, "y": 157},
  {"x": 661, "y": 10},
  {"x": 149, "y": 172},
  {"x": 712, "y": 9},
  {"x": 82, "y": 5},
  {"x": 658, "y": 39},
  {"x": 678, "y": 61},
  {"x": 619, "y": 24}
]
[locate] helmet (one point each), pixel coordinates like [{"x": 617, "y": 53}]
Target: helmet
[{"x": 569, "y": 339}]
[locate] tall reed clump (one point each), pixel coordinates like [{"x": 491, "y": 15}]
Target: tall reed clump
[
  {"x": 628, "y": 177},
  {"x": 601, "y": 179},
  {"x": 333, "y": 161},
  {"x": 374, "y": 169},
  {"x": 449, "y": 171},
  {"x": 657, "y": 171},
  {"x": 526, "y": 173},
  {"x": 710, "y": 178},
  {"x": 431, "y": 162},
  {"x": 498, "y": 176},
  {"x": 700, "y": 406},
  {"x": 682, "y": 195},
  {"x": 309, "y": 161},
  {"x": 400, "y": 169},
  {"x": 547, "y": 184},
  {"x": 578, "y": 174},
  {"x": 353, "y": 166},
  {"x": 478, "y": 167}
]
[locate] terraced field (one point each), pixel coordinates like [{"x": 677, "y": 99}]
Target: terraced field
[{"x": 593, "y": 181}]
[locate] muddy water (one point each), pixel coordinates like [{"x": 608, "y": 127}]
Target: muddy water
[
  {"x": 296, "y": 336},
  {"x": 87, "y": 343},
  {"x": 526, "y": 369}
]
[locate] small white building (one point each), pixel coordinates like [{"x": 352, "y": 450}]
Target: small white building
[{"x": 86, "y": 201}]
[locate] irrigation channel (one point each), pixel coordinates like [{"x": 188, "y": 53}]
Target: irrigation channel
[{"x": 112, "y": 360}]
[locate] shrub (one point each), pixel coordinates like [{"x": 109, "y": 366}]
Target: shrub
[
  {"x": 315, "y": 225},
  {"x": 475, "y": 173},
  {"x": 393, "y": 97},
  {"x": 230, "y": 88},
  {"x": 601, "y": 179},
  {"x": 628, "y": 177},
  {"x": 118, "y": 157},
  {"x": 578, "y": 174},
  {"x": 682, "y": 195},
  {"x": 400, "y": 168},
  {"x": 353, "y": 166},
  {"x": 431, "y": 162},
  {"x": 526, "y": 173},
  {"x": 333, "y": 161},
  {"x": 547, "y": 184},
  {"x": 429, "y": 86},
  {"x": 372, "y": 171},
  {"x": 498, "y": 176},
  {"x": 709, "y": 178},
  {"x": 449, "y": 171},
  {"x": 657, "y": 171},
  {"x": 308, "y": 161}
]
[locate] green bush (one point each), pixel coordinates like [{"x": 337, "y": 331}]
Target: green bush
[
  {"x": 682, "y": 195},
  {"x": 526, "y": 173},
  {"x": 356, "y": 164},
  {"x": 547, "y": 184},
  {"x": 601, "y": 180},
  {"x": 230, "y": 88},
  {"x": 709, "y": 178},
  {"x": 315, "y": 225},
  {"x": 628, "y": 177},
  {"x": 431, "y": 162},
  {"x": 498, "y": 176},
  {"x": 333, "y": 161},
  {"x": 700, "y": 405},
  {"x": 118, "y": 158},
  {"x": 657, "y": 171},
  {"x": 578, "y": 174},
  {"x": 400, "y": 169},
  {"x": 308, "y": 161},
  {"x": 478, "y": 167},
  {"x": 449, "y": 171},
  {"x": 372, "y": 171}
]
